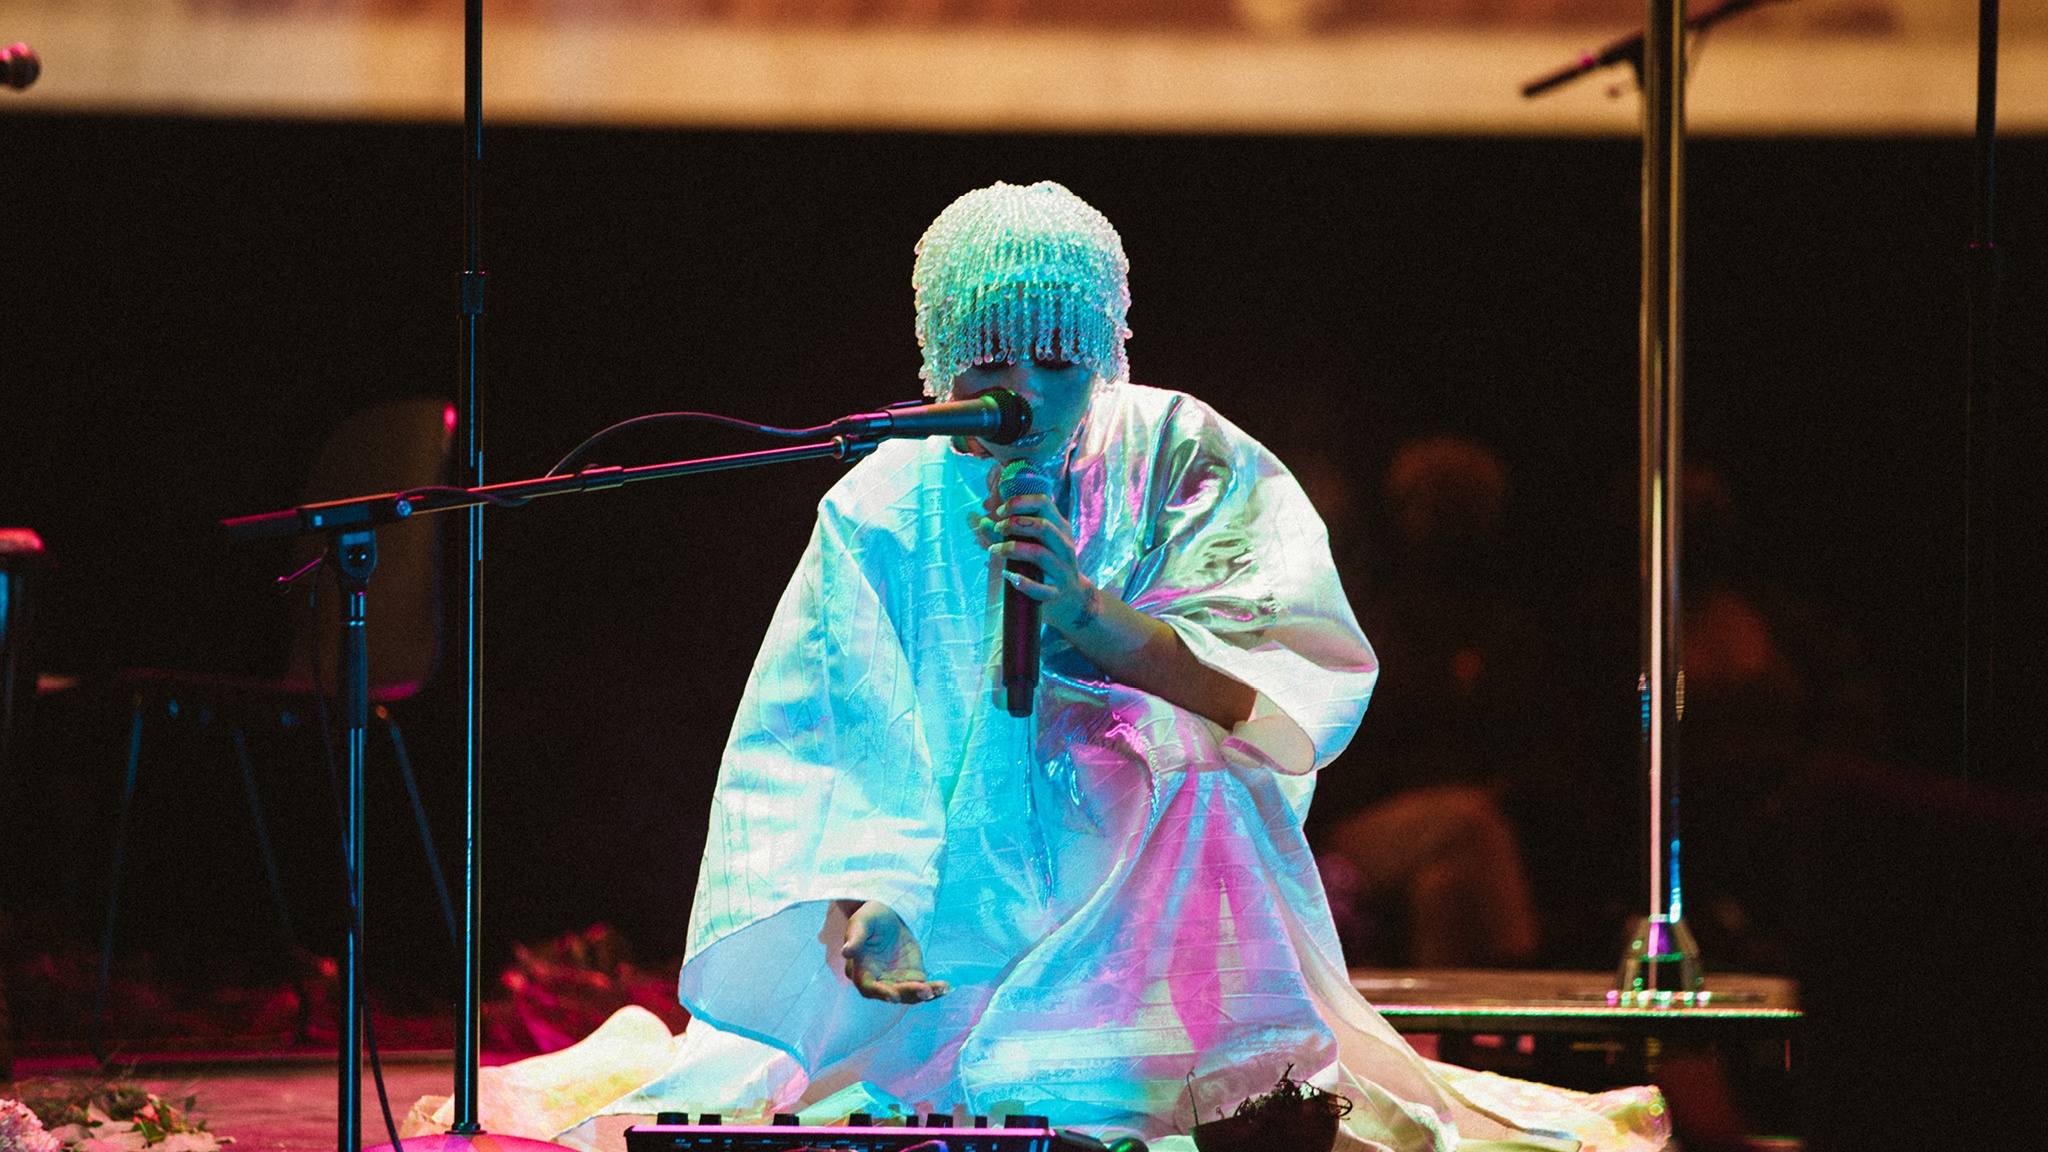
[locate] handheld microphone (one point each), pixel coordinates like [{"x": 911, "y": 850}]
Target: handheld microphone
[
  {"x": 19, "y": 66},
  {"x": 1020, "y": 612},
  {"x": 998, "y": 416}
]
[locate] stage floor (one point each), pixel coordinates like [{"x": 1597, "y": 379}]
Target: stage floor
[
  {"x": 276, "y": 1103},
  {"x": 286, "y": 1103},
  {"x": 271, "y": 1102}
]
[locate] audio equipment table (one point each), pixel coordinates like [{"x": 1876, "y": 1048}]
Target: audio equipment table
[
  {"x": 1484, "y": 1000},
  {"x": 1571, "y": 1029}
]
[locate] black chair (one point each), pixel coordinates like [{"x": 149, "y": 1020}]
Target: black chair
[{"x": 388, "y": 448}]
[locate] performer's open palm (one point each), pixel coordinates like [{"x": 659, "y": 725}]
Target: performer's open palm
[{"x": 883, "y": 959}]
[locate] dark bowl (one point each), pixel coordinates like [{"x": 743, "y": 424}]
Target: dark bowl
[{"x": 1310, "y": 1127}]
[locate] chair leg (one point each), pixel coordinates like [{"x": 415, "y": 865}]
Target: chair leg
[
  {"x": 98, "y": 1034},
  {"x": 419, "y": 812},
  {"x": 284, "y": 916}
]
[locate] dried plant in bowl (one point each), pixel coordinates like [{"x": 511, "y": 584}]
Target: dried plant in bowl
[{"x": 1294, "y": 1116}]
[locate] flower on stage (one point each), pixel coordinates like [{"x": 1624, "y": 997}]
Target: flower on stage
[
  {"x": 21, "y": 1131},
  {"x": 100, "y": 1117}
]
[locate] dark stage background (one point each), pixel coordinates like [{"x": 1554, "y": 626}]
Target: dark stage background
[{"x": 192, "y": 304}]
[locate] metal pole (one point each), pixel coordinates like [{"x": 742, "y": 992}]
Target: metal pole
[
  {"x": 355, "y": 556},
  {"x": 1662, "y": 958},
  {"x": 1980, "y": 453},
  {"x": 469, "y": 1035}
]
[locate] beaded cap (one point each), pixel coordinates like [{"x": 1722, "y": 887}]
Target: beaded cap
[{"x": 1013, "y": 273}]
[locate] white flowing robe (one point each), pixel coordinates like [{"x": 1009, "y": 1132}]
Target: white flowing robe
[{"x": 1117, "y": 889}]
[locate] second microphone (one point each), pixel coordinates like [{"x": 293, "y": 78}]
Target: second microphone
[{"x": 1020, "y": 612}]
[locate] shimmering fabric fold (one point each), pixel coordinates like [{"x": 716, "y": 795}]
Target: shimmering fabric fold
[{"x": 791, "y": 830}]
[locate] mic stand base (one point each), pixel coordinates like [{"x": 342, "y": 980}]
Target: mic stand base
[{"x": 1662, "y": 964}]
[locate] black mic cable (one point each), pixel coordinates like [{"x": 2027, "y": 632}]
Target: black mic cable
[{"x": 998, "y": 416}]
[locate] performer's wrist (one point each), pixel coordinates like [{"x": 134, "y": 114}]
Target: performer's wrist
[{"x": 1090, "y": 610}]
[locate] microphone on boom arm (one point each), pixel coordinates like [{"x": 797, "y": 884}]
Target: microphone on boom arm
[
  {"x": 998, "y": 416},
  {"x": 1629, "y": 49}
]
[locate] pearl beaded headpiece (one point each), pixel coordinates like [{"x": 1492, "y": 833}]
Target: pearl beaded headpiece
[{"x": 1012, "y": 273}]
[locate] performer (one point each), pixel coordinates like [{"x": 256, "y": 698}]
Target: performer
[
  {"x": 1104, "y": 912},
  {"x": 1081, "y": 907}
]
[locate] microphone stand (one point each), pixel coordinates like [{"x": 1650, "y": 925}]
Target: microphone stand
[
  {"x": 469, "y": 1031},
  {"x": 351, "y": 524},
  {"x": 1661, "y": 965},
  {"x": 1982, "y": 748},
  {"x": 1629, "y": 49}
]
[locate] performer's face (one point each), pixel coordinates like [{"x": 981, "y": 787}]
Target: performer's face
[{"x": 1058, "y": 392}]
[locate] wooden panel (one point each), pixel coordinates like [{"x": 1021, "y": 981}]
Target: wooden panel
[{"x": 543, "y": 66}]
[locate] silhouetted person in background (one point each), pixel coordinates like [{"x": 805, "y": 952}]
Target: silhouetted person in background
[
  {"x": 1413, "y": 838},
  {"x": 1769, "y": 681}
]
